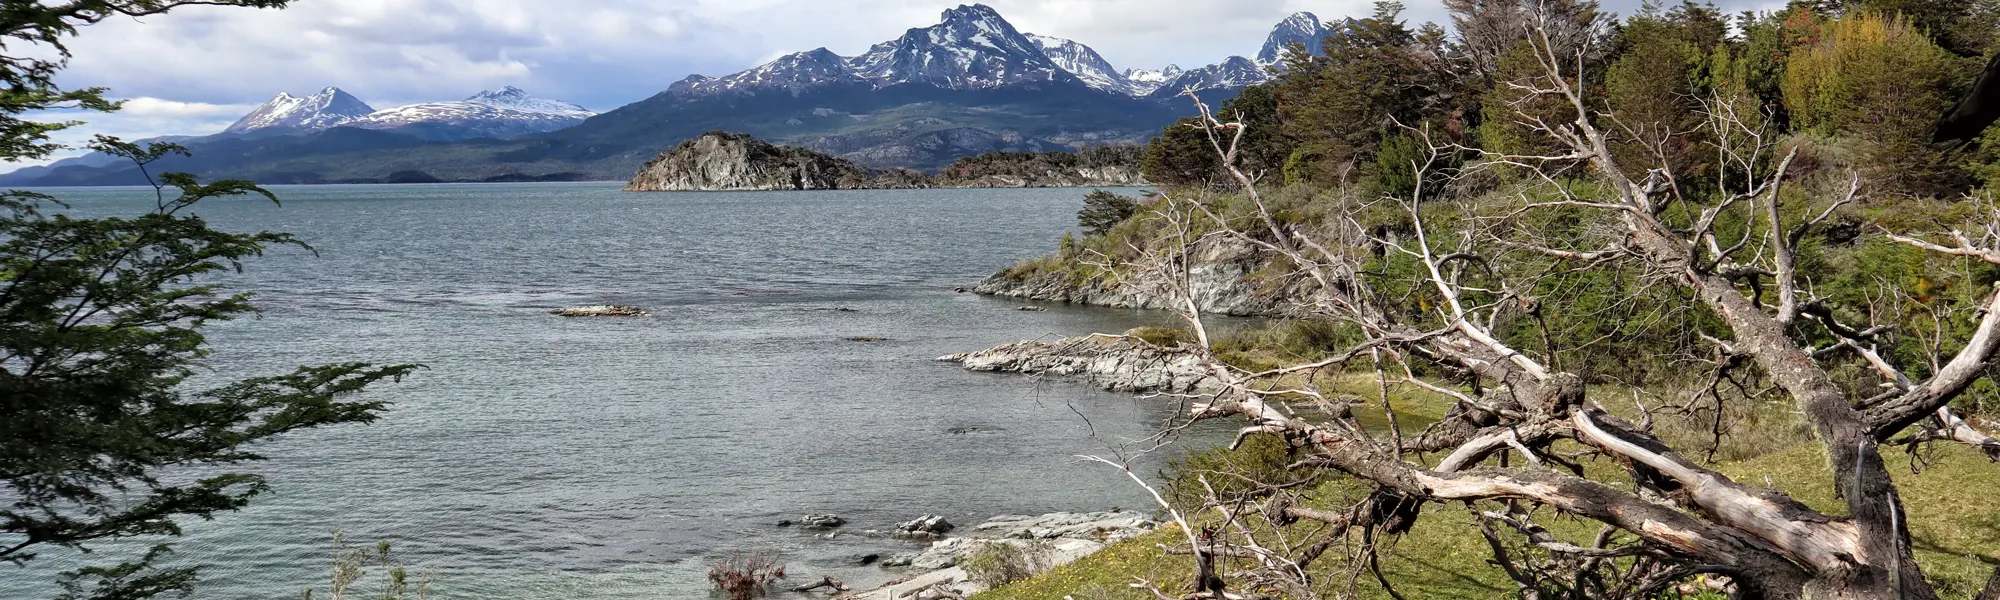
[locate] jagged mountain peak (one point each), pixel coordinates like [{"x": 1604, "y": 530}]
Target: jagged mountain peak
[
  {"x": 1303, "y": 28},
  {"x": 971, "y": 47},
  {"x": 976, "y": 15}
]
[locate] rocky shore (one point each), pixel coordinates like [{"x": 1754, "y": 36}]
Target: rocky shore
[
  {"x": 1049, "y": 540},
  {"x": 1224, "y": 279},
  {"x": 1115, "y": 363}
]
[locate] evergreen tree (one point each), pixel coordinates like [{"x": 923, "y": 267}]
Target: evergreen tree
[
  {"x": 100, "y": 331},
  {"x": 1103, "y": 210},
  {"x": 1880, "y": 84}
]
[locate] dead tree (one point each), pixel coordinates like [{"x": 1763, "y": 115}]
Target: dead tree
[{"x": 1498, "y": 451}]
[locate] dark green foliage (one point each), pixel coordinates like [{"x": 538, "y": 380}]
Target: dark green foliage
[
  {"x": 1183, "y": 156},
  {"x": 101, "y": 326},
  {"x": 1103, "y": 210},
  {"x": 1876, "y": 81},
  {"x": 1241, "y": 473},
  {"x": 1037, "y": 166},
  {"x": 1339, "y": 107}
]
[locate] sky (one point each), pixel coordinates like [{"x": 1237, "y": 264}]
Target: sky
[{"x": 197, "y": 69}]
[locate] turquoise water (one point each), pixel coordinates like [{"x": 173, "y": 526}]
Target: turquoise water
[{"x": 544, "y": 458}]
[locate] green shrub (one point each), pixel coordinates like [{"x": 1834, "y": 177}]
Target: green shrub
[
  {"x": 1230, "y": 473},
  {"x": 1002, "y": 562},
  {"x": 1164, "y": 337}
]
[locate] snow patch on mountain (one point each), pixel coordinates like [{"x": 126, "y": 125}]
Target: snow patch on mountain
[
  {"x": 1234, "y": 74},
  {"x": 505, "y": 113},
  {"x": 1147, "y": 81},
  {"x": 1086, "y": 64},
  {"x": 792, "y": 73}
]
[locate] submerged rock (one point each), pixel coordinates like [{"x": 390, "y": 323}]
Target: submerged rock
[
  {"x": 607, "y": 310},
  {"x": 821, "y": 521},
  {"x": 1116, "y": 363}
]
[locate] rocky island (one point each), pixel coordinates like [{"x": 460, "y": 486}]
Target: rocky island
[{"x": 723, "y": 161}]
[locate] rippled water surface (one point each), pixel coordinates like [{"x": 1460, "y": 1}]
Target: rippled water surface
[{"x": 541, "y": 457}]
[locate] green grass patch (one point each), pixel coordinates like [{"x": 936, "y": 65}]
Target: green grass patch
[{"x": 1954, "y": 520}]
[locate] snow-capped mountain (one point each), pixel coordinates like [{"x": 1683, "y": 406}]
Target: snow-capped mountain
[
  {"x": 1235, "y": 73},
  {"x": 791, "y": 73},
  {"x": 330, "y": 107},
  {"x": 972, "y": 48},
  {"x": 507, "y": 113},
  {"x": 1304, "y": 28},
  {"x": 1147, "y": 81},
  {"x": 1086, "y": 64}
]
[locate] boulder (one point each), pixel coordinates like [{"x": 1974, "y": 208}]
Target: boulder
[{"x": 924, "y": 526}]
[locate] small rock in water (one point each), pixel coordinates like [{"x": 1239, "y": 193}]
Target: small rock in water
[
  {"x": 867, "y": 559},
  {"x": 899, "y": 560},
  {"x": 606, "y": 310},
  {"x": 821, "y": 522},
  {"x": 867, "y": 338},
  {"x": 1032, "y": 309},
  {"x": 845, "y": 309},
  {"x": 785, "y": 523}
]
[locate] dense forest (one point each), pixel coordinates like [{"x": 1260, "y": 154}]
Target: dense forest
[{"x": 1608, "y": 266}]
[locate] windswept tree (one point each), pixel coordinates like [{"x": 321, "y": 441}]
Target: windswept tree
[
  {"x": 101, "y": 332},
  {"x": 1454, "y": 301}
]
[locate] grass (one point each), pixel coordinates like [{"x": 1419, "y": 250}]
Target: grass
[{"x": 1955, "y": 528}]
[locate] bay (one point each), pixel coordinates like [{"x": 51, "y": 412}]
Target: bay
[{"x": 541, "y": 457}]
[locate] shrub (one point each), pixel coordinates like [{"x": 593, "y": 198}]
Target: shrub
[
  {"x": 1002, "y": 562},
  {"x": 744, "y": 577},
  {"x": 1103, "y": 210},
  {"x": 1165, "y": 337},
  {"x": 1881, "y": 83},
  {"x": 1261, "y": 458}
]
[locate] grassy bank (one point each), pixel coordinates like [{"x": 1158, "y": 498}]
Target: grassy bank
[{"x": 1957, "y": 536}]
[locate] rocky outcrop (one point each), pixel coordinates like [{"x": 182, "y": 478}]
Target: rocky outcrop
[
  {"x": 1115, "y": 363},
  {"x": 1056, "y": 539},
  {"x": 606, "y": 310},
  {"x": 1224, "y": 279},
  {"x": 719, "y": 161}
]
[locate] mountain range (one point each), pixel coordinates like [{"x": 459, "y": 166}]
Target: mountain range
[{"x": 970, "y": 84}]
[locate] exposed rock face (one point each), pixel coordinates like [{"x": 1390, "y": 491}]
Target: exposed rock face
[
  {"x": 1222, "y": 279},
  {"x": 719, "y": 161},
  {"x": 1119, "y": 364}
]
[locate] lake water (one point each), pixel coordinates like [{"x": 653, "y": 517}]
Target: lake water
[{"x": 548, "y": 458}]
